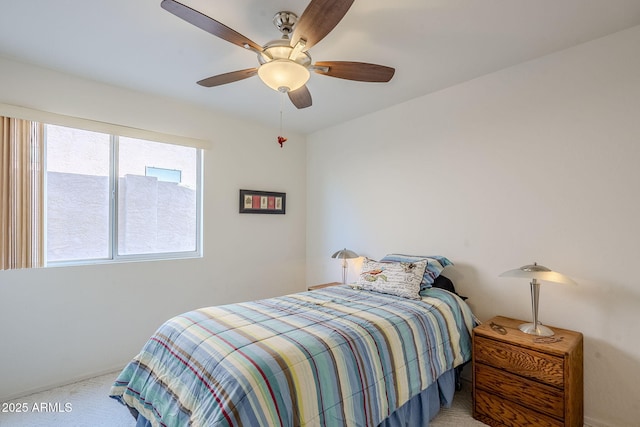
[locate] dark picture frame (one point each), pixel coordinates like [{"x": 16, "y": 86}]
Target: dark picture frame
[{"x": 262, "y": 202}]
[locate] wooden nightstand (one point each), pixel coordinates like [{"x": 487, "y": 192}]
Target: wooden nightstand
[
  {"x": 324, "y": 285},
  {"x": 525, "y": 380}
]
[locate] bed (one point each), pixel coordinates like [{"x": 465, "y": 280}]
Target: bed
[{"x": 330, "y": 357}]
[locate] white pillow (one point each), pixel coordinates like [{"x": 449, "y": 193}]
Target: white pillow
[{"x": 395, "y": 278}]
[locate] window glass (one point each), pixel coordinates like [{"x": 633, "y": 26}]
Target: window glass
[
  {"x": 77, "y": 194},
  {"x": 157, "y": 197}
]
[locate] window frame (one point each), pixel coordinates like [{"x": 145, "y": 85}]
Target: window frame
[{"x": 113, "y": 256}]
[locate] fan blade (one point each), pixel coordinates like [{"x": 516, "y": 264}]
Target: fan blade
[
  {"x": 301, "y": 97},
  {"x": 359, "y": 71},
  {"x": 223, "y": 79},
  {"x": 318, "y": 19},
  {"x": 208, "y": 24}
]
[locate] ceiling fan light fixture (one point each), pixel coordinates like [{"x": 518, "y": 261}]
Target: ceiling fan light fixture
[
  {"x": 283, "y": 75},
  {"x": 276, "y": 49},
  {"x": 285, "y": 63}
]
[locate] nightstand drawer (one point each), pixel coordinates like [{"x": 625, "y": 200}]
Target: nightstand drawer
[
  {"x": 518, "y": 360},
  {"x": 495, "y": 411},
  {"x": 532, "y": 394}
]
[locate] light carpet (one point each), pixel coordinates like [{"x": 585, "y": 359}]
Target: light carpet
[{"x": 86, "y": 403}]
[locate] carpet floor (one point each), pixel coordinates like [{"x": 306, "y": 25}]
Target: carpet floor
[{"x": 86, "y": 403}]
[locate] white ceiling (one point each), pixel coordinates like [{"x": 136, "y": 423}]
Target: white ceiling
[{"x": 433, "y": 44}]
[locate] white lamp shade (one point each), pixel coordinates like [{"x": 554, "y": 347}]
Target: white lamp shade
[
  {"x": 539, "y": 272},
  {"x": 345, "y": 254},
  {"x": 283, "y": 75}
]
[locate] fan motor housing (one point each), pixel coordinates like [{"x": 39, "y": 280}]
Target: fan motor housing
[
  {"x": 284, "y": 22},
  {"x": 281, "y": 49}
]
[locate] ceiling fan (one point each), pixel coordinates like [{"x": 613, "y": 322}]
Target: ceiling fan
[{"x": 284, "y": 64}]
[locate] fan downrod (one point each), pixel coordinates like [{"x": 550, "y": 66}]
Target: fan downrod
[{"x": 284, "y": 22}]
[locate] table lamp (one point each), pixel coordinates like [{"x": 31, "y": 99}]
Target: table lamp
[
  {"x": 344, "y": 255},
  {"x": 537, "y": 272}
]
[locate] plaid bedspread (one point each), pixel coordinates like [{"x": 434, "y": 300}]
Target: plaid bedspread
[{"x": 335, "y": 356}]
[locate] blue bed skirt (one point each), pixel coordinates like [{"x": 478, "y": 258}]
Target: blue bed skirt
[
  {"x": 417, "y": 412},
  {"x": 421, "y": 409}
]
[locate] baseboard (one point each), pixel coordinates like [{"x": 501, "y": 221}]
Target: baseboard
[
  {"x": 69, "y": 381},
  {"x": 590, "y": 422}
]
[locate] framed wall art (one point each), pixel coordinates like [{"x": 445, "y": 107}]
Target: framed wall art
[{"x": 262, "y": 202}]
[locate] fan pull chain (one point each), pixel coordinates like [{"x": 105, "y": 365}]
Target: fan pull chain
[{"x": 281, "y": 139}]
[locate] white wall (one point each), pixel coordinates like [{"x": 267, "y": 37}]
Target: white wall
[
  {"x": 538, "y": 162},
  {"x": 60, "y": 324}
]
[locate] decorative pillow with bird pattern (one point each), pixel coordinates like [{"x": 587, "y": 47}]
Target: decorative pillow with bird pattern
[
  {"x": 435, "y": 265},
  {"x": 395, "y": 278}
]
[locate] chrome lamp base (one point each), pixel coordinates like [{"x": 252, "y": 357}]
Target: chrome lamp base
[
  {"x": 535, "y": 328},
  {"x": 540, "y": 329}
]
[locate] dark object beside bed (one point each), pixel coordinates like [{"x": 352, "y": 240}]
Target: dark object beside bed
[{"x": 445, "y": 283}]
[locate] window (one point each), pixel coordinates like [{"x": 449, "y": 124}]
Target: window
[
  {"x": 168, "y": 175},
  {"x": 114, "y": 198},
  {"x": 77, "y": 194},
  {"x": 155, "y": 215}
]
